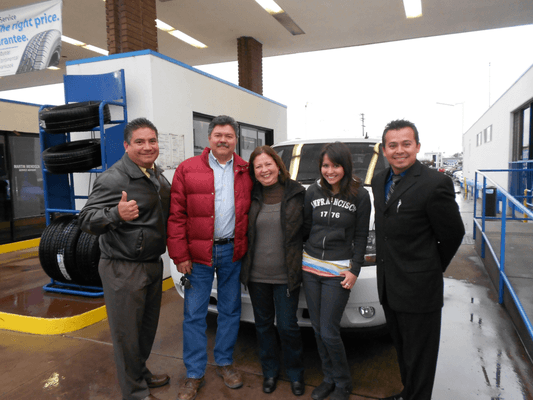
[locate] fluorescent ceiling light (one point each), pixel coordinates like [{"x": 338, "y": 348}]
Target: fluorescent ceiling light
[
  {"x": 281, "y": 16},
  {"x": 75, "y": 42},
  {"x": 270, "y": 6},
  {"x": 53, "y": 68},
  {"x": 178, "y": 34},
  {"x": 163, "y": 26},
  {"x": 72, "y": 41},
  {"x": 187, "y": 39},
  {"x": 413, "y": 8},
  {"x": 96, "y": 49}
]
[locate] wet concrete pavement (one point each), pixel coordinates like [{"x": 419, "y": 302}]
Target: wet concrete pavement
[{"x": 481, "y": 356}]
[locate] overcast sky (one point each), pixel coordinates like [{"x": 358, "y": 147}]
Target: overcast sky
[{"x": 326, "y": 91}]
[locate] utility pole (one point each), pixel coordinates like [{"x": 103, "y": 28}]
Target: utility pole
[{"x": 363, "y": 123}]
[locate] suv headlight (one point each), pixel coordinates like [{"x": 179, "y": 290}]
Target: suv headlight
[{"x": 370, "y": 254}]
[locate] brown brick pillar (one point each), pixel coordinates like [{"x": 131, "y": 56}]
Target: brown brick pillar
[
  {"x": 250, "y": 56},
  {"x": 131, "y": 25}
]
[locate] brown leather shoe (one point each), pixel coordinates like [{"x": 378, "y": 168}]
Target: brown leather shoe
[
  {"x": 158, "y": 380},
  {"x": 189, "y": 388},
  {"x": 232, "y": 377}
]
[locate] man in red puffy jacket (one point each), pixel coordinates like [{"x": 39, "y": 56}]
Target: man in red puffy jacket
[{"x": 210, "y": 198}]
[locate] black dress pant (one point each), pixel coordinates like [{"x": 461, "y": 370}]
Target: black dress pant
[{"x": 416, "y": 338}]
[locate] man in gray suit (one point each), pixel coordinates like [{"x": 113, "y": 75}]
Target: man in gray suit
[
  {"x": 418, "y": 231},
  {"x": 128, "y": 207}
]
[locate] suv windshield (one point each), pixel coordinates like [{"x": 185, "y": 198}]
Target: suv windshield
[{"x": 308, "y": 170}]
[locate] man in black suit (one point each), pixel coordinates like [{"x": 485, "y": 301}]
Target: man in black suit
[{"x": 418, "y": 231}]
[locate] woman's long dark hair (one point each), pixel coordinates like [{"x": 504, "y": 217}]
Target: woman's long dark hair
[{"x": 339, "y": 154}]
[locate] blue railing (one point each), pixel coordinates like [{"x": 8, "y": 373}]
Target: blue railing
[
  {"x": 514, "y": 203},
  {"x": 521, "y": 181}
]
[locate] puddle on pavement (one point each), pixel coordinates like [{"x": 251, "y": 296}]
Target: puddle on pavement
[{"x": 481, "y": 355}]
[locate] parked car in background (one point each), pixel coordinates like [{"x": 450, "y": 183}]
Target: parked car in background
[{"x": 363, "y": 311}]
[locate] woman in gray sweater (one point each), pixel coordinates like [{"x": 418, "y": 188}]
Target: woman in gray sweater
[{"x": 272, "y": 267}]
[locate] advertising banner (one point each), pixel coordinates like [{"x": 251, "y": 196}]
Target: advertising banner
[{"x": 30, "y": 37}]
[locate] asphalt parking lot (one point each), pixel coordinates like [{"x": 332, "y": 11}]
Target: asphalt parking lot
[{"x": 481, "y": 355}]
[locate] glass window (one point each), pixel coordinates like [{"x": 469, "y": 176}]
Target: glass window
[
  {"x": 488, "y": 134},
  {"x": 249, "y": 141},
  {"x": 285, "y": 152},
  {"x": 522, "y": 133},
  {"x": 308, "y": 170},
  {"x": 261, "y": 137},
  {"x": 5, "y": 196},
  {"x": 526, "y": 127},
  {"x": 479, "y": 139},
  {"x": 200, "y": 129},
  {"x": 27, "y": 177},
  {"x": 249, "y": 138}
]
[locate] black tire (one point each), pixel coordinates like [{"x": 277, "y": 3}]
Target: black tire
[
  {"x": 87, "y": 259},
  {"x": 77, "y": 156},
  {"x": 69, "y": 237},
  {"x": 42, "y": 51},
  {"x": 51, "y": 250},
  {"x": 69, "y": 255},
  {"x": 74, "y": 117}
]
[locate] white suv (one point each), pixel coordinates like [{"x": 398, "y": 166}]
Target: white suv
[{"x": 363, "y": 311}]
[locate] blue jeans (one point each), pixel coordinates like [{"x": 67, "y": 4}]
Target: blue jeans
[
  {"x": 270, "y": 302},
  {"x": 326, "y": 301},
  {"x": 195, "y": 311}
]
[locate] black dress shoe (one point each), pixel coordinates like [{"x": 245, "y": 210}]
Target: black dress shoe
[
  {"x": 341, "y": 393},
  {"x": 151, "y": 397},
  {"x": 269, "y": 384},
  {"x": 395, "y": 397},
  {"x": 322, "y": 391},
  {"x": 298, "y": 388},
  {"x": 157, "y": 380}
]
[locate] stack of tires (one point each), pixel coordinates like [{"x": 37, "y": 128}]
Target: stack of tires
[
  {"x": 75, "y": 156},
  {"x": 69, "y": 255}
]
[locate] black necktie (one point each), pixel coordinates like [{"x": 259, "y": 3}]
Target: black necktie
[{"x": 395, "y": 180}]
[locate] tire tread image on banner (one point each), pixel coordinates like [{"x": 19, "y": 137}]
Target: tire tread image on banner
[{"x": 42, "y": 51}]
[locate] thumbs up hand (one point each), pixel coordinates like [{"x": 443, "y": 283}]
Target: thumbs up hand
[{"x": 128, "y": 210}]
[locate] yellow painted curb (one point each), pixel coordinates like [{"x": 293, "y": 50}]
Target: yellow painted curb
[
  {"x": 57, "y": 326},
  {"x": 51, "y": 326},
  {"x": 25, "y": 244},
  {"x": 167, "y": 284}
]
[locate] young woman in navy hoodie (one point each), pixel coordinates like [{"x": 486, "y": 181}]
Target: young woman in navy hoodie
[{"x": 336, "y": 216}]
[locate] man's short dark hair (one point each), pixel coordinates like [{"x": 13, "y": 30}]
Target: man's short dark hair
[
  {"x": 137, "y": 124},
  {"x": 397, "y": 125},
  {"x": 223, "y": 120}
]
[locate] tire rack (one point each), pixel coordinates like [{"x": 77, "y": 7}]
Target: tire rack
[{"x": 59, "y": 194}]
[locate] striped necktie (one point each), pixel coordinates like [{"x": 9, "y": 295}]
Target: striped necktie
[{"x": 395, "y": 180}]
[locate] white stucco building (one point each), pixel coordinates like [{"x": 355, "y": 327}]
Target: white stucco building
[{"x": 502, "y": 134}]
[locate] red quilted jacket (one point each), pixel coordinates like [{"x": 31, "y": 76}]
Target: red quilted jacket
[{"x": 191, "y": 224}]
